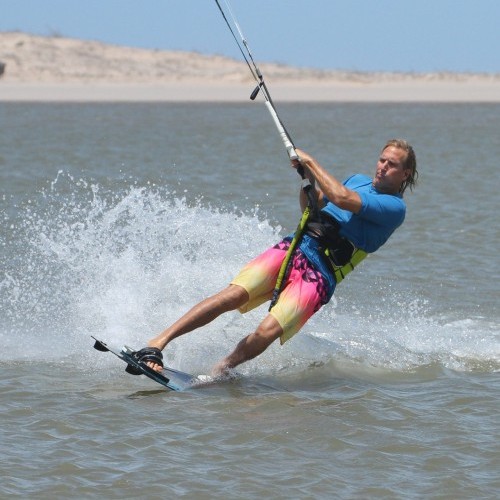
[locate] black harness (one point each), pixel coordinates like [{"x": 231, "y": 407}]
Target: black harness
[{"x": 327, "y": 231}]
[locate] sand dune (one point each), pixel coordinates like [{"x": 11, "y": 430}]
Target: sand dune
[{"x": 39, "y": 68}]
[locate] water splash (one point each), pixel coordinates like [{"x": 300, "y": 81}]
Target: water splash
[{"x": 81, "y": 260}]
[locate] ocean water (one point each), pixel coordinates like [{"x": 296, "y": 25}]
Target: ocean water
[{"x": 115, "y": 219}]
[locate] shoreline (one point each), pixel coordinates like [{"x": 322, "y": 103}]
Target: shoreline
[
  {"x": 377, "y": 92},
  {"x": 57, "y": 69}
]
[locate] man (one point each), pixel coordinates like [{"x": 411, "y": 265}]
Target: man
[{"x": 357, "y": 215}]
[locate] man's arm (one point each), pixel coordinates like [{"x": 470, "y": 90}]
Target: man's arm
[
  {"x": 318, "y": 194},
  {"x": 328, "y": 185}
]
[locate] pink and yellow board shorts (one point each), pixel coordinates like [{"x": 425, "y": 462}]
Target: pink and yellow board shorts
[{"x": 303, "y": 294}]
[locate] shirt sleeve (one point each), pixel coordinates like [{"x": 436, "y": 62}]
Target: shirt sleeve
[{"x": 382, "y": 209}]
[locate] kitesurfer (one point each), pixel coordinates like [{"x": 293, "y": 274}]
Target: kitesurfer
[{"x": 355, "y": 218}]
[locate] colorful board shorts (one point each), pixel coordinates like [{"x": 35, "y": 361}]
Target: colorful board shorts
[{"x": 303, "y": 294}]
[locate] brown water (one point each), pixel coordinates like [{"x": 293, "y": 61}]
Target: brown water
[{"x": 116, "y": 218}]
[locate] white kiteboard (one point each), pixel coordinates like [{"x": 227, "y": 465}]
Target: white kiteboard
[{"x": 174, "y": 380}]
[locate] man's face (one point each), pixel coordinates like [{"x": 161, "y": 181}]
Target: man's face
[{"x": 390, "y": 172}]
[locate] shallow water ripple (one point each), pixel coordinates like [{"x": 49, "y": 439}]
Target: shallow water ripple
[
  {"x": 116, "y": 218},
  {"x": 243, "y": 439}
]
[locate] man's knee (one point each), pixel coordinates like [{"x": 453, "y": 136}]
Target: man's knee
[
  {"x": 233, "y": 297},
  {"x": 269, "y": 329}
]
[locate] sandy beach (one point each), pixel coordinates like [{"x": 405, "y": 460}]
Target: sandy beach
[{"x": 51, "y": 69}]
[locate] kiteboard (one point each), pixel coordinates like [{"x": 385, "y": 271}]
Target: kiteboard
[{"x": 168, "y": 377}]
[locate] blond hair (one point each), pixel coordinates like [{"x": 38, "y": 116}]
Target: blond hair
[{"x": 410, "y": 162}]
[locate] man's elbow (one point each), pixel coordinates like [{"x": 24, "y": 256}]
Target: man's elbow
[{"x": 349, "y": 200}]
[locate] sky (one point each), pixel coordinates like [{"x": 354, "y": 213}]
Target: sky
[{"x": 356, "y": 35}]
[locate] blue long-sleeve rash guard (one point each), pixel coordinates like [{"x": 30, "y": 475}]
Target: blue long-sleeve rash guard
[{"x": 380, "y": 215}]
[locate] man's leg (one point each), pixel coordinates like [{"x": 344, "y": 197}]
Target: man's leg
[
  {"x": 230, "y": 298},
  {"x": 251, "y": 346},
  {"x": 303, "y": 295}
]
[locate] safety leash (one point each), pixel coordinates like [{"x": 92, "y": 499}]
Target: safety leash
[{"x": 287, "y": 261}]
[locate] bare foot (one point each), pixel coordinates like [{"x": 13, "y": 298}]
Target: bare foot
[
  {"x": 221, "y": 369},
  {"x": 152, "y": 364}
]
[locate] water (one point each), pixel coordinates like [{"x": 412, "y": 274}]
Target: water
[{"x": 117, "y": 218}]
